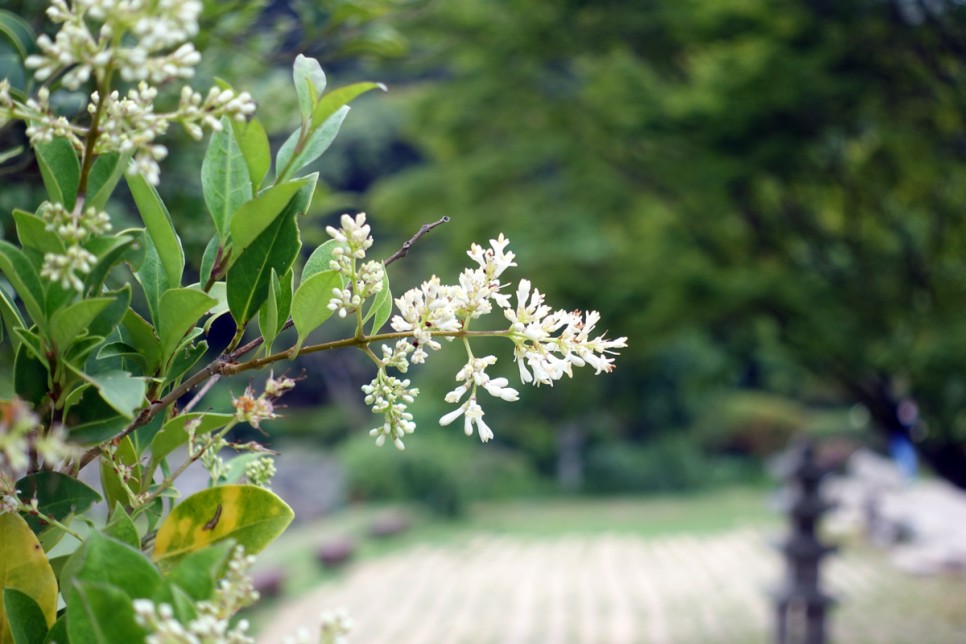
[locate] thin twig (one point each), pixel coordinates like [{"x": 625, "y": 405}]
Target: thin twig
[
  {"x": 205, "y": 388},
  {"x": 425, "y": 228}
]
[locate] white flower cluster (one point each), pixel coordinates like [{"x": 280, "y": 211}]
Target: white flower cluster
[
  {"x": 334, "y": 629},
  {"x": 212, "y": 625},
  {"x": 260, "y": 472},
  {"x": 145, "y": 42},
  {"x": 90, "y": 41},
  {"x": 20, "y": 436},
  {"x": 547, "y": 344},
  {"x": 361, "y": 280},
  {"x": 389, "y": 396},
  {"x": 73, "y": 228}
]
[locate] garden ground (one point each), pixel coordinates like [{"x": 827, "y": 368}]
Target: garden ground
[{"x": 692, "y": 569}]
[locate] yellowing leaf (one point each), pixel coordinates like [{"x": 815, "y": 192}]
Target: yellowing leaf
[
  {"x": 24, "y": 566},
  {"x": 250, "y": 515}
]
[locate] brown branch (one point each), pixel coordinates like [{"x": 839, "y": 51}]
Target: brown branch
[{"x": 402, "y": 252}]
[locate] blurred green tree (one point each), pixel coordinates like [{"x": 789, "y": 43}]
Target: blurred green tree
[{"x": 794, "y": 169}]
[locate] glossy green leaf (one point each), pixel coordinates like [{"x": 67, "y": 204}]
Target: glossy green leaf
[
  {"x": 181, "y": 309},
  {"x": 58, "y": 496},
  {"x": 17, "y": 32},
  {"x": 291, "y": 159},
  {"x": 25, "y": 280},
  {"x": 24, "y": 617},
  {"x": 121, "y": 527},
  {"x": 30, "y": 375},
  {"x": 58, "y": 632},
  {"x": 68, "y": 324},
  {"x": 274, "y": 313},
  {"x": 185, "y": 356},
  {"x": 153, "y": 278},
  {"x": 10, "y": 317},
  {"x": 24, "y": 567},
  {"x": 309, "y": 83},
  {"x": 173, "y": 434},
  {"x": 104, "y": 177},
  {"x": 100, "y": 613},
  {"x": 107, "y": 320},
  {"x": 381, "y": 309},
  {"x": 219, "y": 291},
  {"x": 157, "y": 221},
  {"x": 274, "y": 249},
  {"x": 254, "y": 217},
  {"x": 114, "y": 490},
  {"x": 208, "y": 258},
  {"x": 32, "y": 233},
  {"x": 321, "y": 259},
  {"x": 224, "y": 178},
  {"x": 144, "y": 337},
  {"x": 334, "y": 100},
  {"x": 253, "y": 141},
  {"x": 310, "y": 303},
  {"x": 127, "y": 246},
  {"x": 106, "y": 560},
  {"x": 119, "y": 389},
  {"x": 60, "y": 170},
  {"x": 250, "y": 515},
  {"x": 198, "y": 572}
]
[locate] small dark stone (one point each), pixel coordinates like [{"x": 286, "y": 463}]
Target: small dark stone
[
  {"x": 269, "y": 582},
  {"x": 336, "y": 552},
  {"x": 388, "y": 525}
]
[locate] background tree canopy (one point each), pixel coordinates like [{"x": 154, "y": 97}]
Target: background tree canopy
[{"x": 752, "y": 191}]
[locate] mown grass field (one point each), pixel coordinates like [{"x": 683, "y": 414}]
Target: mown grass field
[{"x": 678, "y": 569}]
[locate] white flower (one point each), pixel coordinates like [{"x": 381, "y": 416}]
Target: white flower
[{"x": 390, "y": 396}]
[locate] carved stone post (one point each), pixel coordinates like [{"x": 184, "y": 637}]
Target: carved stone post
[{"x": 801, "y": 605}]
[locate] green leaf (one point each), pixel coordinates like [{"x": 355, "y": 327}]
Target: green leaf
[
  {"x": 60, "y": 170},
  {"x": 274, "y": 249},
  {"x": 25, "y": 280},
  {"x": 181, "y": 308},
  {"x": 127, "y": 246},
  {"x": 274, "y": 313},
  {"x": 24, "y": 567},
  {"x": 250, "y": 515},
  {"x": 103, "y": 559},
  {"x": 309, "y": 83},
  {"x": 33, "y": 233},
  {"x": 310, "y": 303},
  {"x": 121, "y": 527},
  {"x": 153, "y": 279},
  {"x": 17, "y": 32},
  {"x": 104, "y": 176},
  {"x": 198, "y": 573},
  {"x": 10, "y": 316},
  {"x": 321, "y": 259},
  {"x": 185, "y": 356},
  {"x": 254, "y": 217},
  {"x": 173, "y": 434},
  {"x": 336, "y": 99},
  {"x": 253, "y": 141},
  {"x": 99, "y": 613},
  {"x": 290, "y": 159},
  {"x": 381, "y": 308},
  {"x": 208, "y": 259},
  {"x": 224, "y": 178},
  {"x": 114, "y": 489},
  {"x": 143, "y": 337},
  {"x": 58, "y": 496},
  {"x": 30, "y": 375},
  {"x": 58, "y": 632},
  {"x": 157, "y": 221},
  {"x": 69, "y": 324},
  {"x": 219, "y": 291},
  {"x": 119, "y": 389},
  {"x": 26, "y": 620},
  {"x": 107, "y": 320}
]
